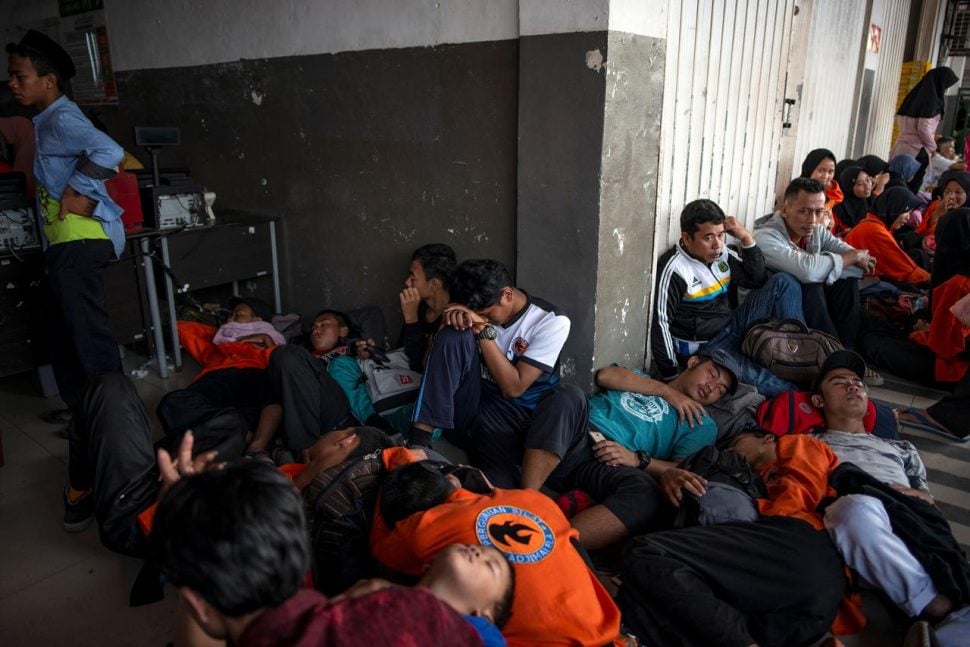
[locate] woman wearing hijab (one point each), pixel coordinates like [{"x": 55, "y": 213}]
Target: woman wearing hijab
[
  {"x": 844, "y": 164},
  {"x": 875, "y": 233},
  {"x": 945, "y": 340},
  {"x": 855, "y": 205},
  {"x": 819, "y": 165},
  {"x": 878, "y": 170},
  {"x": 902, "y": 170},
  {"x": 921, "y": 111},
  {"x": 938, "y": 353},
  {"x": 954, "y": 187}
]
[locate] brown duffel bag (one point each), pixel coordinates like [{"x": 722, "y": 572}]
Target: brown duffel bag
[{"x": 789, "y": 349}]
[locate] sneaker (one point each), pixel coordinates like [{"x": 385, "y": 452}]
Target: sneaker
[
  {"x": 872, "y": 378},
  {"x": 78, "y": 515}
]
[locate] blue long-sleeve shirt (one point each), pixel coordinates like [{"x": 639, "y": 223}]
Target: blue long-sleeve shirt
[{"x": 71, "y": 151}]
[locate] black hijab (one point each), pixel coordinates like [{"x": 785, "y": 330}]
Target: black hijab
[
  {"x": 926, "y": 98},
  {"x": 851, "y": 210},
  {"x": 840, "y": 168},
  {"x": 814, "y": 158},
  {"x": 893, "y": 202},
  {"x": 873, "y": 165},
  {"x": 941, "y": 183},
  {"x": 952, "y": 246},
  {"x": 960, "y": 177}
]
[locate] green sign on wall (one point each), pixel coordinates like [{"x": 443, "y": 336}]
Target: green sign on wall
[{"x": 74, "y": 7}]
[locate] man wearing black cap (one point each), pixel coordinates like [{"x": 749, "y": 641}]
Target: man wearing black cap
[
  {"x": 865, "y": 532},
  {"x": 883, "y": 521},
  {"x": 81, "y": 224},
  {"x": 654, "y": 425}
]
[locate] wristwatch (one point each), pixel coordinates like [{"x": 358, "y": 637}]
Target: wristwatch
[
  {"x": 644, "y": 459},
  {"x": 488, "y": 332}
]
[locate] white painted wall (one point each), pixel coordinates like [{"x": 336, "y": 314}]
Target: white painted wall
[
  {"x": 148, "y": 34},
  {"x": 176, "y": 33}
]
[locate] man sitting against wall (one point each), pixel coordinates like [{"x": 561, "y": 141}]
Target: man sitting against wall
[
  {"x": 827, "y": 268},
  {"x": 697, "y": 283},
  {"x": 491, "y": 382}
]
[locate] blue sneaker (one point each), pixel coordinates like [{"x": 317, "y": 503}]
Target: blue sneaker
[{"x": 78, "y": 515}]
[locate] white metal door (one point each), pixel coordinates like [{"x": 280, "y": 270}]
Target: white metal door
[
  {"x": 723, "y": 99},
  {"x": 893, "y": 19},
  {"x": 826, "y": 94}
]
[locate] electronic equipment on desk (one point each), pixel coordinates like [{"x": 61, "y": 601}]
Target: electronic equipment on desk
[
  {"x": 174, "y": 207},
  {"x": 169, "y": 198},
  {"x": 18, "y": 222}
]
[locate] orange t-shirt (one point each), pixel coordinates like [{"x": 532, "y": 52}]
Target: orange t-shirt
[
  {"x": 197, "y": 340},
  {"x": 947, "y": 336},
  {"x": 558, "y": 600},
  {"x": 891, "y": 261}
]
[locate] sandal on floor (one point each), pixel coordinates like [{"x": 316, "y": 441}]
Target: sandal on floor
[
  {"x": 261, "y": 456},
  {"x": 56, "y": 416},
  {"x": 918, "y": 419}
]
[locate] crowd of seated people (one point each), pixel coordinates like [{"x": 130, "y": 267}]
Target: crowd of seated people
[
  {"x": 277, "y": 470},
  {"x": 577, "y": 520},
  {"x": 561, "y": 478}
]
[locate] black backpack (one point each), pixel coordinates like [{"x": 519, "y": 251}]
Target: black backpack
[
  {"x": 732, "y": 488},
  {"x": 339, "y": 504}
]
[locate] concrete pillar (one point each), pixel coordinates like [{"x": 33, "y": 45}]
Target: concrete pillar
[
  {"x": 931, "y": 19},
  {"x": 590, "y": 100}
]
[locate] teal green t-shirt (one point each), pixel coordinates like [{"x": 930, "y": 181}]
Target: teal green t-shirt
[
  {"x": 346, "y": 371},
  {"x": 648, "y": 423}
]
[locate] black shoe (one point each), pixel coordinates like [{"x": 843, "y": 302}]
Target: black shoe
[
  {"x": 419, "y": 439},
  {"x": 78, "y": 515}
]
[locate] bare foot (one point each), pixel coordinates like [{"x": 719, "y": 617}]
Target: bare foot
[{"x": 938, "y": 608}]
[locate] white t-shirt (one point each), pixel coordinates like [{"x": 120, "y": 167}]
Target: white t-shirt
[
  {"x": 536, "y": 336},
  {"x": 938, "y": 166}
]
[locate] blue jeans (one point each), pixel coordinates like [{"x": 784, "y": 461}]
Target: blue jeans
[{"x": 779, "y": 298}]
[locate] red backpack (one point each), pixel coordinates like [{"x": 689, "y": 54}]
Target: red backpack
[{"x": 792, "y": 412}]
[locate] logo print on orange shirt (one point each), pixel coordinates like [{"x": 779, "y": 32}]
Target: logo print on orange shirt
[
  {"x": 520, "y": 346},
  {"x": 521, "y": 535}
]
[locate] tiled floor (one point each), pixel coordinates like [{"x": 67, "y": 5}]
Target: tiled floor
[{"x": 57, "y": 588}]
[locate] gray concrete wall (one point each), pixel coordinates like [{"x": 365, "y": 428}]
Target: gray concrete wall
[
  {"x": 507, "y": 129},
  {"x": 589, "y": 128},
  {"x": 561, "y": 98},
  {"x": 363, "y": 155},
  {"x": 628, "y": 197}
]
